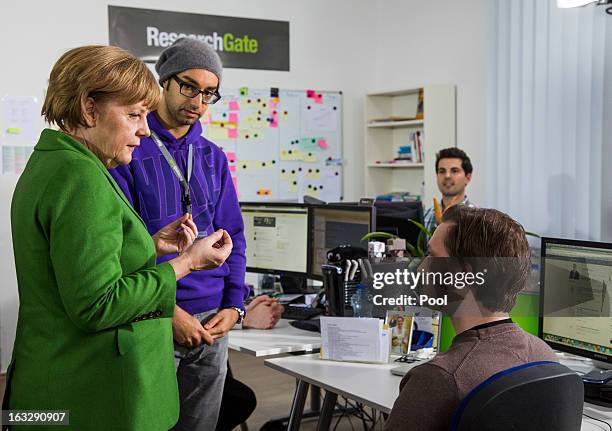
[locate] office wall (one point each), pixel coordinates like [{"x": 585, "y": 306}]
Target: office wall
[
  {"x": 329, "y": 43},
  {"x": 441, "y": 42}
]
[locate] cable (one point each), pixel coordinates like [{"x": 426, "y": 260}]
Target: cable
[{"x": 598, "y": 420}]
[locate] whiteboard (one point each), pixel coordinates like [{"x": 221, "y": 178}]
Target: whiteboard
[{"x": 280, "y": 144}]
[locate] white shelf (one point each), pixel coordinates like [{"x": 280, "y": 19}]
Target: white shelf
[
  {"x": 397, "y": 165},
  {"x": 393, "y": 124},
  {"x": 385, "y": 139}
]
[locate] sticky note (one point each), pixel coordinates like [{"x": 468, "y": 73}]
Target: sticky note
[
  {"x": 233, "y": 105},
  {"x": 313, "y": 174},
  {"x": 215, "y": 133},
  {"x": 310, "y": 93},
  {"x": 231, "y": 156},
  {"x": 235, "y": 181},
  {"x": 274, "y": 103},
  {"x": 322, "y": 143},
  {"x": 232, "y": 133},
  {"x": 233, "y": 118},
  {"x": 288, "y": 174},
  {"x": 13, "y": 130},
  {"x": 309, "y": 157},
  {"x": 291, "y": 155},
  {"x": 232, "y": 168},
  {"x": 274, "y": 121},
  {"x": 292, "y": 187},
  {"x": 318, "y": 99},
  {"x": 244, "y": 91}
]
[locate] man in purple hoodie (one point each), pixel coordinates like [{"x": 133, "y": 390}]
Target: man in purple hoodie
[{"x": 176, "y": 171}]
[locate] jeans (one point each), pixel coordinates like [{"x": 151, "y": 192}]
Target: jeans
[{"x": 201, "y": 376}]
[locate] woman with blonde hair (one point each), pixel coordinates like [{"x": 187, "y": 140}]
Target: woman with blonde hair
[{"x": 94, "y": 333}]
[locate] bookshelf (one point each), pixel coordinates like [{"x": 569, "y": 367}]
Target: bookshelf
[{"x": 392, "y": 124}]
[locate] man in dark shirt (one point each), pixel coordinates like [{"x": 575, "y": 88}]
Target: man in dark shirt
[{"x": 487, "y": 340}]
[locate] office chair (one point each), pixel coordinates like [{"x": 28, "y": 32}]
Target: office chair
[{"x": 542, "y": 396}]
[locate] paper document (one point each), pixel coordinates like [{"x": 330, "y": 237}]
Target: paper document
[{"x": 354, "y": 339}]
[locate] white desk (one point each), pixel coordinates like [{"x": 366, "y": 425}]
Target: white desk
[
  {"x": 370, "y": 384},
  {"x": 283, "y": 338}
]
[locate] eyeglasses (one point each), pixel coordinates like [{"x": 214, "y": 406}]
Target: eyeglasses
[{"x": 188, "y": 90}]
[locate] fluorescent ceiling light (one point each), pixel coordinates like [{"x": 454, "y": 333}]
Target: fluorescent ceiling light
[{"x": 574, "y": 3}]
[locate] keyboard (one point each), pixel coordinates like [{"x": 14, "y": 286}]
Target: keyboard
[
  {"x": 300, "y": 313},
  {"x": 307, "y": 325}
]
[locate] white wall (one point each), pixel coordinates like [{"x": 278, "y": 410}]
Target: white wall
[
  {"x": 439, "y": 42},
  {"x": 328, "y": 40},
  {"x": 606, "y": 172}
]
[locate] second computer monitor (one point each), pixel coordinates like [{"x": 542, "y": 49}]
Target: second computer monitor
[
  {"x": 334, "y": 225},
  {"x": 395, "y": 218},
  {"x": 277, "y": 237},
  {"x": 575, "y": 289}
]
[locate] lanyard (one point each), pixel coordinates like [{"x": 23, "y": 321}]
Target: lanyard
[{"x": 185, "y": 198}]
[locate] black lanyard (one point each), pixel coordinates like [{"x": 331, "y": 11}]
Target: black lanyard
[{"x": 185, "y": 198}]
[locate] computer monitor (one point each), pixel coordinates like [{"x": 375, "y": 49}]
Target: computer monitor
[
  {"x": 277, "y": 238},
  {"x": 575, "y": 289},
  {"x": 334, "y": 225},
  {"x": 394, "y": 218}
]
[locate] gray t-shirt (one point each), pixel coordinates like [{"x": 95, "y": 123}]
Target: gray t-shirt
[{"x": 430, "y": 393}]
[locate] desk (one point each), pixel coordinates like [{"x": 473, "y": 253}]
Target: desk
[
  {"x": 283, "y": 338},
  {"x": 375, "y": 387}
]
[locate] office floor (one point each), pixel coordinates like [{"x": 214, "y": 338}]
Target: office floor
[{"x": 274, "y": 393}]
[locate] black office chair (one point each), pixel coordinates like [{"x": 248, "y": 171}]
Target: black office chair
[{"x": 542, "y": 396}]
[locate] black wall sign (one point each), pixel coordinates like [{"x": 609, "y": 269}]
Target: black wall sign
[{"x": 240, "y": 42}]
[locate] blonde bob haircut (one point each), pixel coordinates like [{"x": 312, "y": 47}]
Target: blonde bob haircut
[{"x": 101, "y": 72}]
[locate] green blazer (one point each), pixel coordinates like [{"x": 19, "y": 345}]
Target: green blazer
[{"x": 94, "y": 334}]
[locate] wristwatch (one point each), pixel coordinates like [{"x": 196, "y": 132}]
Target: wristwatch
[{"x": 240, "y": 312}]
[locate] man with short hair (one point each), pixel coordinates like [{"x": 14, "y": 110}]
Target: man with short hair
[
  {"x": 177, "y": 171},
  {"x": 487, "y": 341},
  {"x": 453, "y": 174}
]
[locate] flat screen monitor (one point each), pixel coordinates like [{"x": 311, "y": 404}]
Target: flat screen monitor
[
  {"x": 575, "y": 289},
  {"x": 394, "y": 218},
  {"x": 334, "y": 225},
  {"x": 277, "y": 237}
]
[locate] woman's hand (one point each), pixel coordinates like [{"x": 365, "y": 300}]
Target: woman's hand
[
  {"x": 176, "y": 237},
  {"x": 210, "y": 252},
  {"x": 207, "y": 253}
]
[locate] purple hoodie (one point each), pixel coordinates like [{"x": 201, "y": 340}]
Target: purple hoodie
[{"x": 155, "y": 193}]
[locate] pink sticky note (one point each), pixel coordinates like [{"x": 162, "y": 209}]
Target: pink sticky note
[
  {"x": 233, "y": 118},
  {"x": 310, "y": 93},
  {"x": 273, "y": 103},
  {"x": 322, "y": 143},
  {"x": 235, "y": 181},
  {"x": 232, "y": 168},
  {"x": 232, "y": 133},
  {"x": 318, "y": 98},
  {"x": 233, "y": 105},
  {"x": 231, "y": 156},
  {"x": 274, "y": 122}
]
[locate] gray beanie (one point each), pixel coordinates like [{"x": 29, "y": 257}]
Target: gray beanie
[{"x": 188, "y": 53}]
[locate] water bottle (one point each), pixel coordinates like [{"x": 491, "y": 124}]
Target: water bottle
[{"x": 361, "y": 301}]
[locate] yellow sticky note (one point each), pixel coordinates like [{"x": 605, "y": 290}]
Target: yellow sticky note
[
  {"x": 312, "y": 190},
  {"x": 215, "y": 133},
  {"x": 292, "y": 187},
  {"x": 254, "y": 165},
  {"x": 291, "y": 155},
  {"x": 13, "y": 131},
  {"x": 309, "y": 157},
  {"x": 313, "y": 174},
  {"x": 288, "y": 174}
]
